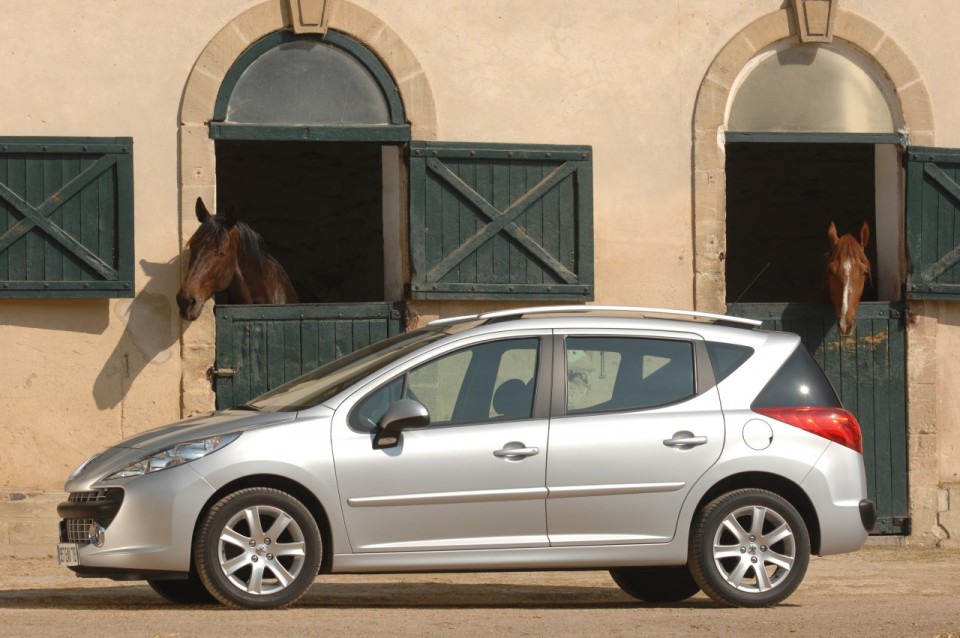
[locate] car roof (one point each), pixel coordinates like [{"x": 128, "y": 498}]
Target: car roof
[
  {"x": 596, "y": 311},
  {"x": 604, "y": 317}
]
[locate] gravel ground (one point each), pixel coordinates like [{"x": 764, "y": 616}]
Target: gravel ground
[{"x": 879, "y": 591}]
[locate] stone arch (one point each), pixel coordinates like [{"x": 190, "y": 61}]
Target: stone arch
[
  {"x": 197, "y": 166},
  {"x": 709, "y": 175}
]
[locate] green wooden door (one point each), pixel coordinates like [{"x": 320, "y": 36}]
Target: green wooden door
[
  {"x": 66, "y": 217},
  {"x": 867, "y": 370},
  {"x": 262, "y": 346},
  {"x": 497, "y": 221}
]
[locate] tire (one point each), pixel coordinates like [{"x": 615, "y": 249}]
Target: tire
[
  {"x": 749, "y": 548},
  {"x": 656, "y": 584},
  {"x": 258, "y": 548},
  {"x": 183, "y": 592}
]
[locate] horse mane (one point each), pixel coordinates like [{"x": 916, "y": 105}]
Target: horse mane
[
  {"x": 847, "y": 247},
  {"x": 250, "y": 252}
]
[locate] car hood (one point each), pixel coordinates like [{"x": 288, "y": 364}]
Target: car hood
[
  {"x": 198, "y": 427},
  {"x": 204, "y": 426}
]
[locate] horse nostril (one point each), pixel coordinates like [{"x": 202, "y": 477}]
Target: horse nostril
[{"x": 186, "y": 304}]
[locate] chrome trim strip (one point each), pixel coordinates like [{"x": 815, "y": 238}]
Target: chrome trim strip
[
  {"x": 521, "y": 494},
  {"x": 575, "y": 491},
  {"x": 478, "y": 496}
]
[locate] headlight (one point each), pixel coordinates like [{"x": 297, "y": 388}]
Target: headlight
[{"x": 173, "y": 456}]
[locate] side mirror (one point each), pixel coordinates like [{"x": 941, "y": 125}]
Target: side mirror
[{"x": 402, "y": 415}]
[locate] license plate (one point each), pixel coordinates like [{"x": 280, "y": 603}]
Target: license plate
[{"x": 67, "y": 554}]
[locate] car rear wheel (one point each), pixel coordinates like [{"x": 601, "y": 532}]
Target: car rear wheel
[
  {"x": 749, "y": 548},
  {"x": 258, "y": 548},
  {"x": 656, "y": 584},
  {"x": 183, "y": 592}
]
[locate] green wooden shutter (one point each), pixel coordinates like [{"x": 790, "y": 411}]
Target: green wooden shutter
[
  {"x": 933, "y": 223},
  {"x": 497, "y": 221},
  {"x": 66, "y": 217}
]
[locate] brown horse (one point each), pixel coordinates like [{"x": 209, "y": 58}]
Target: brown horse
[
  {"x": 848, "y": 269},
  {"x": 226, "y": 254}
]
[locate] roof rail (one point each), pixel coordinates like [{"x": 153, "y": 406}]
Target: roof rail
[{"x": 500, "y": 315}]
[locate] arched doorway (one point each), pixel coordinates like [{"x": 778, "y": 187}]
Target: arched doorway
[
  {"x": 308, "y": 131},
  {"x": 812, "y": 138}
]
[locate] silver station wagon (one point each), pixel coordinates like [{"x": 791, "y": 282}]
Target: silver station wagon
[{"x": 680, "y": 451}]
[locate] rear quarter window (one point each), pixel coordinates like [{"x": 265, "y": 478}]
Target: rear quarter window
[
  {"x": 799, "y": 383},
  {"x": 727, "y": 357}
]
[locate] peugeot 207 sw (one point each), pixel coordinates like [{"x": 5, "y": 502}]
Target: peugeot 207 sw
[{"x": 680, "y": 454}]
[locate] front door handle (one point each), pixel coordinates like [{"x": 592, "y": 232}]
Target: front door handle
[
  {"x": 516, "y": 450},
  {"x": 685, "y": 440}
]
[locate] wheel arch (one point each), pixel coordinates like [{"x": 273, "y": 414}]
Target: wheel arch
[
  {"x": 295, "y": 489},
  {"x": 772, "y": 483}
]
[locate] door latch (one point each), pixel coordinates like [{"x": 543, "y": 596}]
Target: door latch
[{"x": 222, "y": 373}]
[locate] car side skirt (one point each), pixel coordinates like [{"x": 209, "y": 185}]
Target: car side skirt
[{"x": 527, "y": 559}]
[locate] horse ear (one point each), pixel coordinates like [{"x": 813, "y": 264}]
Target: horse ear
[
  {"x": 864, "y": 234},
  {"x": 832, "y": 234},
  {"x": 228, "y": 212},
  {"x": 202, "y": 213}
]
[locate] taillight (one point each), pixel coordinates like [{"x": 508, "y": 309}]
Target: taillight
[{"x": 831, "y": 423}]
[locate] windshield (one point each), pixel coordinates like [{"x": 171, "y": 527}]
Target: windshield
[{"x": 326, "y": 381}]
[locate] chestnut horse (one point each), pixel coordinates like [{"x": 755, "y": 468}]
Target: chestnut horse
[
  {"x": 226, "y": 254},
  {"x": 848, "y": 269}
]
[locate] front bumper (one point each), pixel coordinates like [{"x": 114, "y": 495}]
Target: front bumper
[{"x": 143, "y": 528}]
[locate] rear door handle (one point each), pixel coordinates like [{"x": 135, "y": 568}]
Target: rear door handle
[
  {"x": 685, "y": 440},
  {"x": 516, "y": 450}
]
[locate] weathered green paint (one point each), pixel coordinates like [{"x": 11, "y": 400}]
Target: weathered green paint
[
  {"x": 932, "y": 223},
  {"x": 66, "y": 217},
  {"x": 899, "y": 139},
  {"x": 268, "y": 345},
  {"x": 499, "y": 221},
  {"x": 351, "y": 133},
  {"x": 867, "y": 370}
]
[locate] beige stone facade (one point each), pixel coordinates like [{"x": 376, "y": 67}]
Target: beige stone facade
[{"x": 647, "y": 84}]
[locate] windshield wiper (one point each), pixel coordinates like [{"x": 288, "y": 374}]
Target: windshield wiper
[{"x": 246, "y": 406}]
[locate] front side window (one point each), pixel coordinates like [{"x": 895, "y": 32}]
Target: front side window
[
  {"x": 611, "y": 374},
  {"x": 485, "y": 382}
]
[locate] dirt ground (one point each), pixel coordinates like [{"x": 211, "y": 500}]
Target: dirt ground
[{"x": 879, "y": 591}]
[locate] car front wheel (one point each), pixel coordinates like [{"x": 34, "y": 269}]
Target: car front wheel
[
  {"x": 656, "y": 584},
  {"x": 749, "y": 548},
  {"x": 258, "y": 548}
]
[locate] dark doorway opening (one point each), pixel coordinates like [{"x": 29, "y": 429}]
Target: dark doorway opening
[
  {"x": 319, "y": 208},
  {"x": 781, "y": 198}
]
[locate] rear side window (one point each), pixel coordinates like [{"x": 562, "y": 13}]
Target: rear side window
[
  {"x": 799, "y": 383},
  {"x": 726, "y": 357},
  {"x": 612, "y": 374}
]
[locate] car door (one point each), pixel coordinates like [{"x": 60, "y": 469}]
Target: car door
[
  {"x": 472, "y": 479},
  {"x": 638, "y": 422}
]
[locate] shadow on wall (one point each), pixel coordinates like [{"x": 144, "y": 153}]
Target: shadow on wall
[{"x": 150, "y": 321}]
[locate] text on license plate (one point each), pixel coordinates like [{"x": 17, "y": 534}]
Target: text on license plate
[{"x": 67, "y": 554}]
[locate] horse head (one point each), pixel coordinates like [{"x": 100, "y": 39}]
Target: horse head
[
  {"x": 213, "y": 261},
  {"x": 848, "y": 270}
]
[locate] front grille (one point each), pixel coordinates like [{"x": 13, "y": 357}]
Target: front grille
[
  {"x": 87, "y": 497},
  {"x": 77, "y": 529}
]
